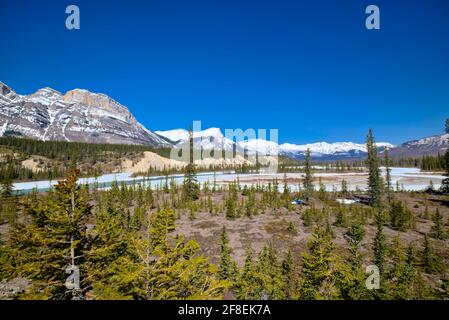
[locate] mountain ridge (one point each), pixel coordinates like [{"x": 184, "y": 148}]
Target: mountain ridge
[
  {"x": 78, "y": 115},
  {"x": 84, "y": 116}
]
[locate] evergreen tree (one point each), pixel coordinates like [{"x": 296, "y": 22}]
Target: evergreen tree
[
  {"x": 445, "y": 182},
  {"x": 429, "y": 261},
  {"x": 374, "y": 179},
  {"x": 317, "y": 280},
  {"x": 379, "y": 245},
  {"x": 437, "y": 230},
  {"x": 404, "y": 279},
  {"x": 109, "y": 245},
  {"x": 401, "y": 217},
  {"x": 191, "y": 187},
  {"x": 353, "y": 284},
  {"x": 55, "y": 240},
  {"x": 250, "y": 283},
  {"x": 290, "y": 277},
  {"x": 6, "y": 188},
  {"x": 269, "y": 271},
  {"x": 308, "y": 179},
  {"x": 388, "y": 185},
  {"x": 227, "y": 269}
]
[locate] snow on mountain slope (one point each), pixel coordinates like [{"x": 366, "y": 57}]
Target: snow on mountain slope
[
  {"x": 7, "y": 95},
  {"x": 320, "y": 149},
  {"x": 175, "y": 135},
  {"x": 324, "y": 149},
  {"x": 423, "y": 147},
  {"x": 208, "y": 139},
  {"x": 260, "y": 146},
  {"x": 78, "y": 115}
]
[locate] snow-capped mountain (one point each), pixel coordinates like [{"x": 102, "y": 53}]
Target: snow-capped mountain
[
  {"x": 423, "y": 147},
  {"x": 214, "y": 138},
  {"x": 325, "y": 151},
  {"x": 78, "y": 115},
  {"x": 208, "y": 139}
]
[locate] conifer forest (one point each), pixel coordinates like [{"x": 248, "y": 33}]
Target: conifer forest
[{"x": 222, "y": 241}]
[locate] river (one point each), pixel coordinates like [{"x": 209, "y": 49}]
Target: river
[{"x": 409, "y": 179}]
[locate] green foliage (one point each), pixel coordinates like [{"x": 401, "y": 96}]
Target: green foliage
[
  {"x": 374, "y": 179},
  {"x": 55, "y": 239},
  {"x": 308, "y": 179},
  {"x": 404, "y": 280},
  {"x": 388, "y": 185},
  {"x": 269, "y": 271},
  {"x": 249, "y": 283},
  {"x": 379, "y": 244},
  {"x": 401, "y": 218},
  {"x": 227, "y": 269},
  {"x": 290, "y": 277},
  {"x": 437, "y": 230},
  {"x": 318, "y": 265}
]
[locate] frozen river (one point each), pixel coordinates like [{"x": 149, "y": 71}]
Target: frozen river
[{"x": 411, "y": 179}]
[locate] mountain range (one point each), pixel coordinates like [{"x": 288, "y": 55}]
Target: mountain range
[
  {"x": 80, "y": 115},
  {"x": 214, "y": 138}
]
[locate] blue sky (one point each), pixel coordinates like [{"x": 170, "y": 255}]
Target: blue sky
[{"x": 309, "y": 68}]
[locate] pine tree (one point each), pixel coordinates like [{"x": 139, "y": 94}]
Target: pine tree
[
  {"x": 317, "y": 280},
  {"x": 344, "y": 188},
  {"x": 445, "y": 182},
  {"x": 286, "y": 199},
  {"x": 191, "y": 187},
  {"x": 374, "y": 179},
  {"x": 55, "y": 240},
  {"x": 340, "y": 218},
  {"x": 429, "y": 261},
  {"x": 269, "y": 271},
  {"x": 109, "y": 246},
  {"x": 6, "y": 188},
  {"x": 290, "y": 277},
  {"x": 231, "y": 202},
  {"x": 404, "y": 279},
  {"x": 249, "y": 284},
  {"x": 401, "y": 217},
  {"x": 437, "y": 230},
  {"x": 227, "y": 269},
  {"x": 353, "y": 282},
  {"x": 308, "y": 179},
  {"x": 379, "y": 245},
  {"x": 388, "y": 185}
]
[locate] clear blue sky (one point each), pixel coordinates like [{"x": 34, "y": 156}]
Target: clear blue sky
[{"x": 308, "y": 68}]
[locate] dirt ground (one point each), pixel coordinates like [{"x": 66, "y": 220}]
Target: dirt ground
[{"x": 270, "y": 226}]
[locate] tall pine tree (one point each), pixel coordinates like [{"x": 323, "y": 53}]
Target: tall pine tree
[{"x": 374, "y": 179}]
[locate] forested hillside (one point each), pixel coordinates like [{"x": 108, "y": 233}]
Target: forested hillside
[{"x": 54, "y": 158}]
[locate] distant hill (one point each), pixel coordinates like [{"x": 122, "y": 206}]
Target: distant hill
[{"x": 429, "y": 146}]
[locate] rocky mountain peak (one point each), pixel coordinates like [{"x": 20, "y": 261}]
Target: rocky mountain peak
[
  {"x": 7, "y": 95},
  {"x": 78, "y": 115},
  {"x": 98, "y": 101}
]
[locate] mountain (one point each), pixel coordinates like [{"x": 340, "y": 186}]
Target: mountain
[
  {"x": 78, "y": 115},
  {"x": 329, "y": 151},
  {"x": 208, "y": 139},
  {"x": 84, "y": 116},
  {"x": 429, "y": 146},
  {"x": 213, "y": 137}
]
